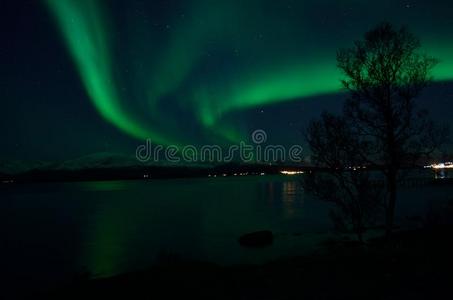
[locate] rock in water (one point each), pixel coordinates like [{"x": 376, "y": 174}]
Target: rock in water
[{"x": 257, "y": 239}]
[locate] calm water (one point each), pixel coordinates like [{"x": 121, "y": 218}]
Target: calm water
[{"x": 54, "y": 231}]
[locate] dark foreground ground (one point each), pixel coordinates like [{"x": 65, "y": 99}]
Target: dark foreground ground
[{"x": 412, "y": 265}]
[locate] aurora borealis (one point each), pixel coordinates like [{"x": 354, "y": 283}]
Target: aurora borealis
[{"x": 199, "y": 71}]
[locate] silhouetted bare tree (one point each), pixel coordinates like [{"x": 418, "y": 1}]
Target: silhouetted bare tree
[
  {"x": 385, "y": 73},
  {"x": 342, "y": 182}
]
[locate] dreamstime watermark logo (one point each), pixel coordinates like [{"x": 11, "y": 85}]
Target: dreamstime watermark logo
[
  {"x": 259, "y": 136},
  {"x": 259, "y": 151}
]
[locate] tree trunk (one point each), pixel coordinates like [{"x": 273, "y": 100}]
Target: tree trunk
[
  {"x": 358, "y": 227},
  {"x": 390, "y": 209},
  {"x": 360, "y": 237}
]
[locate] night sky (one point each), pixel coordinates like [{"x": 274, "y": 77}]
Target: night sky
[{"x": 87, "y": 76}]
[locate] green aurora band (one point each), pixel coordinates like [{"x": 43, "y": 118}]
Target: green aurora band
[
  {"x": 83, "y": 28},
  {"x": 289, "y": 65}
]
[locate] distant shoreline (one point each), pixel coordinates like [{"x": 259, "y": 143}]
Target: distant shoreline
[
  {"x": 146, "y": 173},
  {"x": 179, "y": 172}
]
